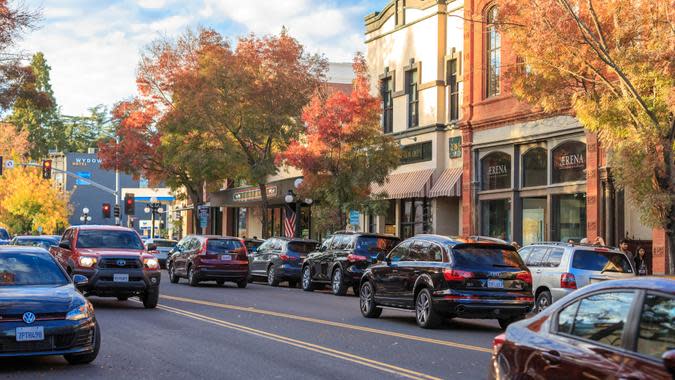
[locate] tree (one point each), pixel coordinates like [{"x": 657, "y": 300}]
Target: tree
[
  {"x": 343, "y": 150},
  {"x": 13, "y": 143},
  {"x": 612, "y": 63},
  {"x": 84, "y": 132}
]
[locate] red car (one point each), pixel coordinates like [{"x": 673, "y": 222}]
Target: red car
[
  {"x": 209, "y": 258},
  {"x": 621, "y": 329},
  {"x": 113, "y": 259}
]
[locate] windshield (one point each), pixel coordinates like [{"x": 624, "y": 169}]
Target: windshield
[
  {"x": 375, "y": 244},
  {"x": 224, "y": 246},
  {"x": 601, "y": 261},
  {"x": 109, "y": 239},
  {"x": 30, "y": 269},
  {"x": 4, "y": 235},
  {"x": 164, "y": 243},
  {"x": 486, "y": 258}
]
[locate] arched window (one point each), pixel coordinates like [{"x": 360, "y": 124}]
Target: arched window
[
  {"x": 534, "y": 167},
  {"x": 496, "y": 171},
  {"x": 492, "y": 54},
  {"x": 569, "y": 162}
]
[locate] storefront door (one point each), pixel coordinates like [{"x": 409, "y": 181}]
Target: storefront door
[
  {"x": 569, "y": 217},
  {"x": 534, "y": 220},
  {"x": 496, "y": 218}
]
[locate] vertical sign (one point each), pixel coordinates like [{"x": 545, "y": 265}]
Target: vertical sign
[{"x": 203, "y": 216}]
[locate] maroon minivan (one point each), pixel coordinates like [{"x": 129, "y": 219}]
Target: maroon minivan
[{"x": 209, "y": 258}]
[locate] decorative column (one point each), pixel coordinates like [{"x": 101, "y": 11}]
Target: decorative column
[{"x": 593, "y": 190}]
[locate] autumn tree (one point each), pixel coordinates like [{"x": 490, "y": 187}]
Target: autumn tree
[
  {"x": 343, "y": 150},
  {"x": 613, "y": 64}
]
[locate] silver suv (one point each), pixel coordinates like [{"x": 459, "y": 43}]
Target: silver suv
[{"x": 560, "y": 268}]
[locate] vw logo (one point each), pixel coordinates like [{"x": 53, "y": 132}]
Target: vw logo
[
  {"x": 121, "y": 263},
  {"x": 28, "y": 317}
]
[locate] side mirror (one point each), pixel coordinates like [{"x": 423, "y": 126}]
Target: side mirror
[
  {"x": 669, "y": 361},
  {"x": 152, "y": 247},
  {"x": 65, "y": 244},
  {"x": 80, "y": 280}
]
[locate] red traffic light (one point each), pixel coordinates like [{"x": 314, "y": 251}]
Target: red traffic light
[
  {"x": 47, "y": 169},
  {"x": 106, "y": 210}
]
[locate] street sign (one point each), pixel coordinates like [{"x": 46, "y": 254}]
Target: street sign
[
  {"x": 9, "y": 164},
  {"x": 203, "y": 216},
  {"x": 354, "y": 217}
]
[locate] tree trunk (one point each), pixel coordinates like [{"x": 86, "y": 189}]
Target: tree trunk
[
  {"x": 670, "y": 176},
  {"x": 264, "y": 206},
  {"x": 196, "y": 199}
]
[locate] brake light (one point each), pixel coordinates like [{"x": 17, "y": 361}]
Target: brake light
[
  {"x": 497, "y": 343},
  {"x": 525, "y": 276},
  {"x": 568, "y": 281},
  {"x": 284, "y": 257},
  {"x": 202, "y": 250},
  {"x": 456, "y": 275},
  {"x": 352, "y": 258}
]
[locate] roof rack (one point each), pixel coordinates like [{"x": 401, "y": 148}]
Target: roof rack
[
  {"x": 564, "y": 244},
  {"x": 552, "y": 243}
]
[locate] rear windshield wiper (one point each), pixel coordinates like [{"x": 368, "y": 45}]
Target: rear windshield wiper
[{"x": 503, "y": 266}]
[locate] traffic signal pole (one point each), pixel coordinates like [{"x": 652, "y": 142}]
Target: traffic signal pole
[{"x": 118, "y": 195}]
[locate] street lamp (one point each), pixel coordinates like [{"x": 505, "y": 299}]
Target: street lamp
[
  {"x": 155, "y": 208},
  {"x": 290, "y": 198},
  {"x": 85, "y": 215}
]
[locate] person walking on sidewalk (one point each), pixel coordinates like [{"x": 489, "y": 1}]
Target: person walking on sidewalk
[
  {"x": 623, "y": 246},
  {"x": 641, "y": 262}
]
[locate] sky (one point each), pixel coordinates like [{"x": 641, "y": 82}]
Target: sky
[{"x": 93, "y": 46}]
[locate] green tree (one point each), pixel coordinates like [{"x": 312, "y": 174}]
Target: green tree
[{"x": 84, "y": 132}]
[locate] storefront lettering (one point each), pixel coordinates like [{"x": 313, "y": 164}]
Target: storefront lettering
[
  {"x": 498, "y": 170},
  {"x": 253, "y": 194},
  {"x": 571, "y": 161},
  {"x": 416, "y": 152},
  {"x": 86, "y": 161}
]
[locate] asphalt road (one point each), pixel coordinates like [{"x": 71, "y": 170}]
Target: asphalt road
[{"x": 213, "y": 332}]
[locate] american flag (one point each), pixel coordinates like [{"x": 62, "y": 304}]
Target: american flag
[{"x": 289, "y": 222}]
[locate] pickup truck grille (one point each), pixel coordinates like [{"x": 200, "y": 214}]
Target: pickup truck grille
[{"x": 114, "y": 263}]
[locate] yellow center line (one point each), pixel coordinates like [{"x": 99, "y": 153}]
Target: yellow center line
[
  {"x": 302, "y": 344},
  {"x": 446, "y": 343}
]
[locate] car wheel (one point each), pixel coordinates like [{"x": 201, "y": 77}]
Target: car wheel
[
  {"x": 292, "y": 284},
  {"x": 272, "y": 279},
  {"x": 249, "y": 279},
  {"x": 88, "y": 357},
  {"x": 242, "y": 283},
  {"x": 192, "y": 277},
  {"x": 425, "y": 314},
  {"x": 122, "y": 298},
  {"x": 172, "y": 275},
  {"x": 150, "y": 298},
  {"x": 543, "y": 301},
  {"x": 505, "y": 322},
  {"x": 307, "y": 284},
  {"x": 337, "y": 283},
  {"x": 367, "y": 301},
  {"x": 220, "y": 282}
]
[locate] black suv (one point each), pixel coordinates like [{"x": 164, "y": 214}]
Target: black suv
[
  {"x": 440, "y": 276},
  {"x": 280, "y": 259},
  {"x": 342, "y": 259}
]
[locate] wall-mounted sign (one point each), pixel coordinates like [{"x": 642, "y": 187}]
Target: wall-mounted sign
[
  {"x": 354, "y": 216},
  {"x": 82, "y": 182},
  {"x": 416, "y": 152},
  {"x": 86, "y": 161},
  {"x": 253, "y": 194},
  {"x": 569, "y": 162},
  {"x": 455, "y": 147},
  {"x": 203, "y": 216}
]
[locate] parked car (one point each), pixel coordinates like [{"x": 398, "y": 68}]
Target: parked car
[
  {"x": 252, "y": 244},
  {"x": 280, "y": 259},
  {"x": 42, "y": 241},
  {"x": 42, "y": 312},
  {"x": 620, "y": 329},
  {"x": 4, "y": 236},
  {"x": 342, "y": 259},
  {"x": 560, "y": 268},
  {"x": 160, "y": 248},
  {"x": 114, "y": 261},
  {"x": 440, "y": 276},
  {"x": 209, "y": 258}
]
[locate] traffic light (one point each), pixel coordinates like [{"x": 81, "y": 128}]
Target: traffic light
[
  {"x": 129, "y": 204},
  {"x": 46, "y": 169},
  {"x": 116, "y": 211},
  {"x": 106, "y": 210}
]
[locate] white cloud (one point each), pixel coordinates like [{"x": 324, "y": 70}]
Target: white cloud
[{"x": 152, "y": 4}]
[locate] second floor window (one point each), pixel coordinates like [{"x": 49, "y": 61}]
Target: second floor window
[
  {"x": 413, "y": 99},
  {"x": 387, "y": 105},
  {"x": 493, "y": 54},
  {"x": 453, "y": 90}
]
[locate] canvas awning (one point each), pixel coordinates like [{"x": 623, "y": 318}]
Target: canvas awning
[
  {"x": 449, "y": 184},
  {"x": 405, "y": 185}
]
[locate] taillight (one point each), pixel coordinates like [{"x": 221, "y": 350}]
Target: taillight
[
  {"x": 456, "y": 275},
  {"x": 202, "y": 250},
  {"x": 525, "y": 276},
  {"x": 352, "y": 258},
  {"x": 568, "y": 281},
  {"x": 284, "y": 257},
  {"x": 497, "y": 343}
]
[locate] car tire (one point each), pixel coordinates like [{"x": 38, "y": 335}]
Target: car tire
[
  {"x": 425, "y": 315},
  {"x": 241, "y": 284},
  {"x": 292, "y": 284},
  {"x": 87, "y": 358},
  {"x": 367, "y": 301},
  {"x": 172, "y": 275},
  {"x": 307, "y": 284},
  {"x": 337, "y": 282},
  {"x": 272, "y": 279},
  {"x": 122, "y": 298},
  {"x": 544, "y": 300},
  {"x": 192, "y": 277},
  {"x": 220, "y": 282},
  {"x": 505, "y": 322},
  {"x": 249, "y": 279},
  {"x": 150, "y": 298}
]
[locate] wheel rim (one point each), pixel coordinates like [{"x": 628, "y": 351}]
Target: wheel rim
[
  {"x": 190, "y": 275},
  {"x": 270, "y": 275},
  {"x": 423, "y": 308},
  {"x": 543, "y": 303},
  {"x": 171, "y": 271},
  {"x": 305, "y": 278},
  {"x": 337, "y": 280},
  {"x": 366, "y": 299}
]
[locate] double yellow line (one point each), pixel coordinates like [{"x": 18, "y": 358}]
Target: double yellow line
[
  {"x": 304, "y": 345},
  {"x": 416, "y": 338}
]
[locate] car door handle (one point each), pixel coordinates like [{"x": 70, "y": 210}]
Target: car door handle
[
  {"x": 537, "y": 271},
  {"x": 551, "y": 357}
]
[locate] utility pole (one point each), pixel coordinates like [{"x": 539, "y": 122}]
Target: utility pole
[{"x": 117, "y": 183}]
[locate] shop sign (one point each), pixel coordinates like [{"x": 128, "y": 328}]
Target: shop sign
[
  {"x": 86, "y": 161},
  {"x": 416, "y": 153},
  {"x": 203, "y": 216},
  {"x": 570, "y": 161},
  {"x": 253, "y": 194},
  {"x": 354, "y": 217},
  {"x": 498, "y": 170},
  {"x": 455, "y": 147}
]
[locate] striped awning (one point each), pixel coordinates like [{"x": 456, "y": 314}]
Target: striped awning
[
  {"x": 449, "y": 184},
  {"x": 405, "y": 185}
]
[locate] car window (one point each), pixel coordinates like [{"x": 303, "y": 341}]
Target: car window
[
  {"x": 337, "y": 242},
  {"x": 302, "y": 247},
  {"x": 566, "y": 318},
  {"x": 656, "y": 334},
  {"x": 195, "y": 244},
  {"x": 524, "y": 252},
  {"x": 109, "y": 239},
  {"x": 164, "y": 243},
  {"x": 264, "y": 246},
  {"x": 400, "y": 252},
  {"x": 326, "y": 244},
  {"x": 30, "y": 269},
  {"x": 277, "y": 245},
  {"x": 68, "y": 235},
  {"x": 486, "y": 257},
  {"x": 4, "y": 235},
  {"x": 224, "y": 246},
  {"x": 417, "y": 249},
  {"x": 535, "y": 258},
  {"x": 601, "y": 261},
  {"x": 369, "y": 245},
  {"x": 602, "y": 317},
  {"x": 554, "y": 257}
]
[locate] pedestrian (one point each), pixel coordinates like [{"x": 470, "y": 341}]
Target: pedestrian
[
  {"x": 641, "y": 264},
  {"x": 584, "y": 241},
  {"x": 515, "y": 245},
  {"x": 623, "y": 246},
  {"x": 599, "y": 241},
  {"x": 571, "y": 241}
]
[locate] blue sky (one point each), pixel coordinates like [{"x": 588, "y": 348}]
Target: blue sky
[{"x": 93, "y": 45}]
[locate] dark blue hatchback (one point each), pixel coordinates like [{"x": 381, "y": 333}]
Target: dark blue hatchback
[
  {"x": 41, "y": 311},
  {"x": 280, "y": 259}
]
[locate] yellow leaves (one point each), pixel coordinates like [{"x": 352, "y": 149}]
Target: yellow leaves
[
  {"x": 28, "y": 202},
  {"x": 13, "y": 144}
]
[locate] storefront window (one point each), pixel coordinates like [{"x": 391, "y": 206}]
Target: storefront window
[
  {"x": 496, "y": 171},
  {"x": 569, "y": 162},
  {"x": 496, "y": 219},
  {"x": 390, "y": 218},
  {"x": 372, "y": 223},
  {"x": 242, "y": 221},
  {"x": 534, "y": 167},
  {"x": 569, "y": 217},
  {"x": 415, "y": 217},
  {"x": 534, "y": 220}
]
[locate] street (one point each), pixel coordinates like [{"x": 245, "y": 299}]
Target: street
[{"x": 265, "y": 332}]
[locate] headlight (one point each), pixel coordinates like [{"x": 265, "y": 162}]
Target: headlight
[
  {"x": 79, "y": 313},
  {"x": 151, "y": 263},
  {"x": 87, "y": 262}
]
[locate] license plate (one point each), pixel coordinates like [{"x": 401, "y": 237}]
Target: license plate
[
  {"x": 120, "y": 277},
  {"x": 25, "y": 334},
  {"x": 494, "y": 283},
  {"x": 226, "y": 257}
]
